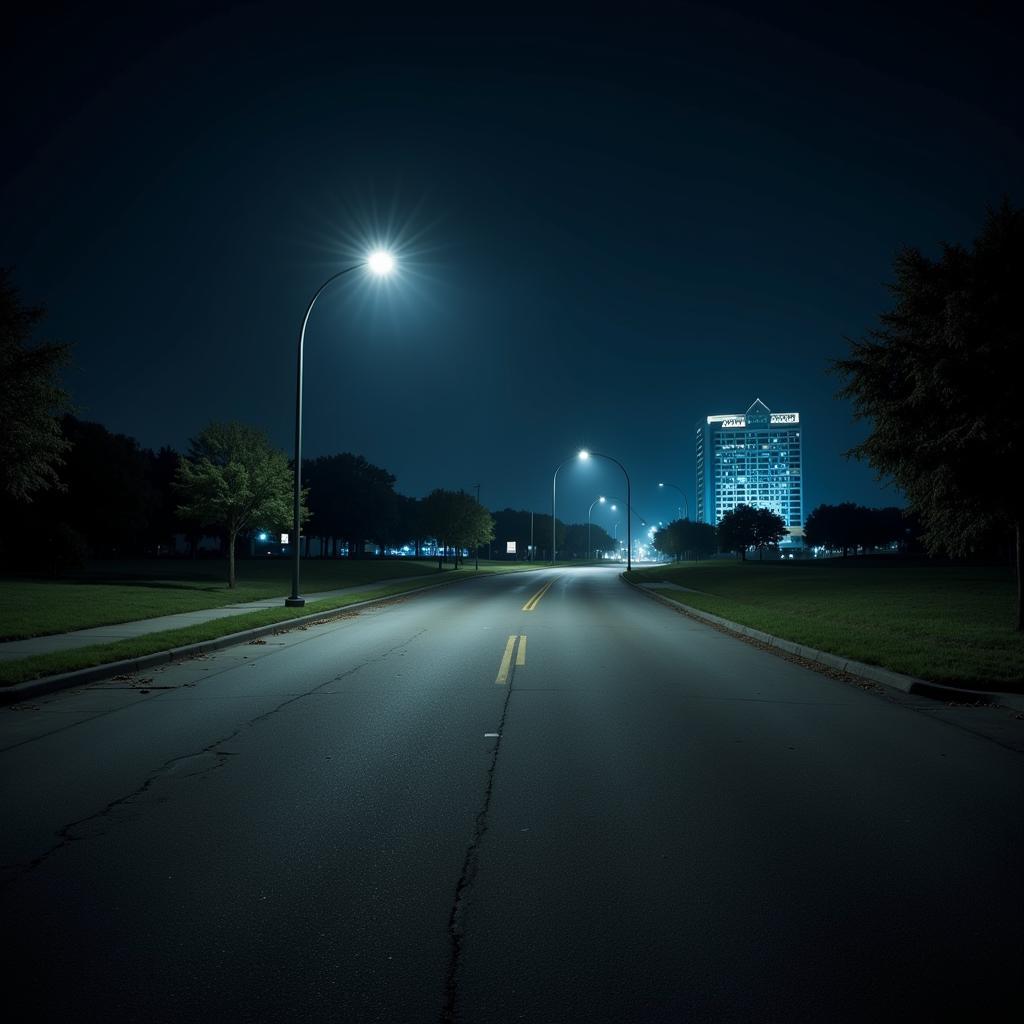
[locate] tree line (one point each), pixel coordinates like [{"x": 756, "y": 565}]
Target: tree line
[
  {"x": 108, "y": 497},
  {"x": 836, "y": 528},
  {"x": 936, "y": 379}
]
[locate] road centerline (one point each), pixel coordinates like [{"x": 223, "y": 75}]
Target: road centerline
[
  {"x": 506, "y": 661},
  {"x": 535, "y": 600},
  {"x": 521, "y": 651}
]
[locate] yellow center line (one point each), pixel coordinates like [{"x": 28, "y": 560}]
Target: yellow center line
[
  {"x": 521, "y": 653},
  {"x": 506, "y": 662},
  {"x": 535, "y": 600}
]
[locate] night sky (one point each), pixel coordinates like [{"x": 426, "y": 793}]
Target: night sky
[{"x": 607, "y": 228}]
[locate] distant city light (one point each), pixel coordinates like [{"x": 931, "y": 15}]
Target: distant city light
[{"x": 263, "y": 536}]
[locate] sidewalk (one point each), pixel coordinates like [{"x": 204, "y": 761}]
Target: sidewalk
[{"x": 58, "y": 642}]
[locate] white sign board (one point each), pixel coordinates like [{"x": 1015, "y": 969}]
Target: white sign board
[
  {"x": 284, "y": 538},
  {"x": 510, "y": 547}
]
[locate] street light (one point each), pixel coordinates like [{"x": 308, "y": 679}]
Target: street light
[
  {"x": 629, "y": 508},
  {"x": 582, "y": 455},
  {"x": 589, "y": 510},
  {"x": 381, "y": 264},
  {"x": 686, "y": 507}
]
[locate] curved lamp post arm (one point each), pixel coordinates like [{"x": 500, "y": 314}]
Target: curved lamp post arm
[
  {"x": 629, "y": 510},
  {"x": 686, "y": 504},
  {"x": 296, "y": 601},
  {"x": 589, "y": 510},
  {"x": 554, "y": 480}
]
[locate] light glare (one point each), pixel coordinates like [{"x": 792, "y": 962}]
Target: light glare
[
  {"x": 584, "y": 454},
  {"x": 381, "y": 263}
]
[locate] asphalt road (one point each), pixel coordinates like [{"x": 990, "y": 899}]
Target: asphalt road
[{"x": 414, "y": 814}]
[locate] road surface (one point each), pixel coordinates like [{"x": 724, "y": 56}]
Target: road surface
[{"x": 537, "y": 797}]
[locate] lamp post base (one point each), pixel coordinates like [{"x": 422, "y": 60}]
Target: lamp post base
[{"x": 294, "y": 602}]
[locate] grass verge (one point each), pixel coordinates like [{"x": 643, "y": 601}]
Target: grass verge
[
  {"x": 116, "y": 592},
  {"x": 946, "y": 623},
  {"x": 41, "y": 665}
]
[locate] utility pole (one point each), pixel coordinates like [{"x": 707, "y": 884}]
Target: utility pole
[
  {"x": 532, "y": 552},
  {"x": 476, "y": 567}
]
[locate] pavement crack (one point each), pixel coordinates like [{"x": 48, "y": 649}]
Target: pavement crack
[
  {"x": 470, "y": 866},
  {"x": 98, "y": 823},
  {"x": 183, "y": 766}
]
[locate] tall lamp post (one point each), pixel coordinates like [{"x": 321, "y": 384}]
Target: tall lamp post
[
  {"x": 582, "y": 455},
  {"x": 380, "y": 263},
  {"x": 629, "y": 505},
  {"x": 589, "y": 510},
  {"x": 686, "y": 507}
]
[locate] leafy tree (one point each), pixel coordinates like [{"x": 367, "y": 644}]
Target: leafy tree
[
  {"x": 845, "y": 526},
  {"x": 747, "y": 527},
  {"x": 576, "y": 538},
  {"x": 108, "y": 497},
  {"x": 163, "y": 522},
  {"x": 938, "y": 379},
  {"x": 683, "y": 538},
  {"x": 736, "y": 530},
  {"x": 351, "y": 499},
  {"x": 31, "y": 443},
  {"x": 233, "y": 479},
  {"x": 769, "y": 529},
  {"x": 834, "y": 527},
  {"x": 456, "y": 519},
  {"x": 409, "y": 525}
]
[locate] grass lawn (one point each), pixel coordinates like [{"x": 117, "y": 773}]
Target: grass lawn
[
  {"x": 112, "y": 592},
  {"x": 947, "y": 623},
  {"x": 37, "y": 666}
]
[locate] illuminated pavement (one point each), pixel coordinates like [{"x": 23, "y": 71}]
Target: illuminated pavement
[{"x": 500, "y": 802}]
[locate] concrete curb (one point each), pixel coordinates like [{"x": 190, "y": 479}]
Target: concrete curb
[
  {"x": 873, "y": 673},
  {"x": 18, "y": 692}
]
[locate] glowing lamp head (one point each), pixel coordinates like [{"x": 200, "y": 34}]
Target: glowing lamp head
[
  {"x": 602, "y": 500},
  {"x": 661, "y": 485},
  {"x": 381, "y": 263},
  {"x": 584, "y": 454}
]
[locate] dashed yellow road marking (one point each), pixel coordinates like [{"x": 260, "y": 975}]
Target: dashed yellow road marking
[
  {"x": 506, "y": 661},
  {"x": 521, "y": 652},
  {"x": 535, "y": 600}
]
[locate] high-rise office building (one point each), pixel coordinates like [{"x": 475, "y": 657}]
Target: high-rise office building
[{"x": 751, "y": 458}]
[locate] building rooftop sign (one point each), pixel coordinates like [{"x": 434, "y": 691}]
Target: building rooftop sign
[{"x": 731, "y": 421}]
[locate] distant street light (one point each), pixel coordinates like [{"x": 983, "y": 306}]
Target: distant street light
[
  {"x": 582, "y": 455},
  {"x": 380, "y": 263},
  {"x": 629, "y": 508},
  {"x": 589, "y": 510},
  {"x": 686, "y": 507}
]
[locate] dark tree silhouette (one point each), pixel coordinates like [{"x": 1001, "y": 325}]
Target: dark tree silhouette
[
  {"x": 747, "y": 527},
  {"x": 456, "y": 519},
  {"x": 939, "y": 381},
  {"x": 31, "y": 443},
  {"x": 350, "y": 499},
  {"x": 683, "y": 538}
]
